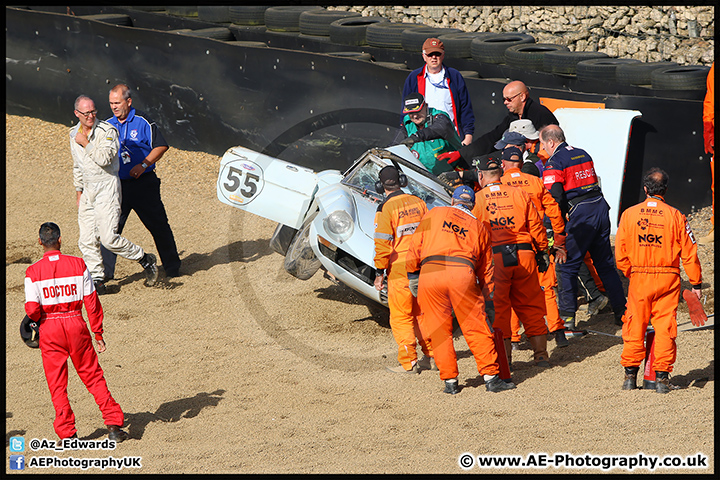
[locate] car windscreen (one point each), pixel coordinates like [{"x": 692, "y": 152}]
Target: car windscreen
[{"x": 366, "y": 173}]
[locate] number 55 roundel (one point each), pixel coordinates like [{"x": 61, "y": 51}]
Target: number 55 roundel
[{"x": 240, "y": 181}]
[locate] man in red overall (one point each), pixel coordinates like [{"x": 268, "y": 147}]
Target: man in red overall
[{"x": 56, "y": 287}]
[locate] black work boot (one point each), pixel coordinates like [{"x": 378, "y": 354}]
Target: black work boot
[
  {"x": 560, "y": 338},
  {"x": 496, "y": 384},
  {"x": 630, "y": 382},
  {"x": 451, "y": 386},
  {"x": 662, "y": 382},
  {"x": 116, "y": 433},
  {"x": 149, "y": 263}
]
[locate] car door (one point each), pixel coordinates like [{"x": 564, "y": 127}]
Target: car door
[{"x": 265, "y": 186}]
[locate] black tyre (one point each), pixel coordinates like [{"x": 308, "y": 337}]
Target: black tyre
[
  {"x": 412, "y": 40},
  {"x": 530, "y": 57},
  {"x": 687, "y": 77},
  {"x": 639, "y": 73},
  {"x": 286, "y": 18},
  {"x": 214, "y": 14},
  {"x": 248, "y": 43},
  {"x": 565, "y": 62},
  {"x": 317, "y": 22},
  {"x": 247, "y": 14},
  {"x": 457, "y": 45},
  {"x": 396, "y": 65},
  {"x": 469, "y": 74},
  {"x": 112, "y": 18},
  {"x": 218, "y": 33},
  {"x": 351, "y": 31},
  {"x": 600, "y": 69},
  {"x": 353, "y": 55},
  {"x": 182, "y": 11},
  {"x": 300, "y": 260},
  {"x": 491, "y": 48},
  {"x": 281, "y": 238},
  {"x": 387, "y": 34}
]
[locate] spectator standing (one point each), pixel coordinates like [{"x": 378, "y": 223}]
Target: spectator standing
[
  {"x": 56, "y": 288},
  {"x": 443, "y": 88},
  {"x": 141, "y": 146},
  {"x": 94, "y": 149},
  {"x": 651, "y": 239}
]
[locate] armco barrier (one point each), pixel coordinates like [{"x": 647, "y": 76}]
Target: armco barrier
[{"x": 292, "y": 100}]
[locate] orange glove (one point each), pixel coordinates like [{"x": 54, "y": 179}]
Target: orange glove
[
  {"x": 698, "y": 317},
  {"x": 709, "y": 137}
]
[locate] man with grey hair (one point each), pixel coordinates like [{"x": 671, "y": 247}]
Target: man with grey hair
[{"x": 94, "y": 149}]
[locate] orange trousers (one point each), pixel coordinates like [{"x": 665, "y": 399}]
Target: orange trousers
[
  {"x": 651, "y": 296},
  {"x": 547, "y": 280},
  {"x": 518, "y": 288},
  {"x": 442, "y": 289},
  {"x": 404, "y": 312}
]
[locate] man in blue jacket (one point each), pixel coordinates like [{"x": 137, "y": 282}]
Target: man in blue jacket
[
  {"x": 141, "y": 146},
  {"x": 443, "y": 88}
]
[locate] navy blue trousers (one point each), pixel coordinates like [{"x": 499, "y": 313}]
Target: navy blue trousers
[
  {"x": 588, "y": 230},
  {"x": 143, "y": 196}
]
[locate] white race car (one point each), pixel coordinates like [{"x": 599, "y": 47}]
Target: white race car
[{"x": 325, "y": 219}]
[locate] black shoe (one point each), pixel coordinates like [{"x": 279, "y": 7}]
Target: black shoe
[
  {"x": 100, "y": 287},
  {"x": 149, "y": 263},
  {"x": 173, "y": 272},
  {"x": 451, "y": 386},
  {"x": 630, "y": 382},
  {"x": 560, "y": 338},
  {"x": 495, "y": 384},
  {"x": 619, "y": 318},
  {"x": 662, "y": 382},
  {"x": 116, "y": 433}
]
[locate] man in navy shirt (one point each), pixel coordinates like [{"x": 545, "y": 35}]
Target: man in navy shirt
[{"x": 141, "y": 146}]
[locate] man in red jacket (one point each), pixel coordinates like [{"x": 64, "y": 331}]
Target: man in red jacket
[{"x": 56, "y": 287}]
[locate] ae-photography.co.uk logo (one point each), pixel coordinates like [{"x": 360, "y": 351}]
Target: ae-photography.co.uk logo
[
  {"x": 17, "y": 444},
  {"x": 17, "y": 462}
]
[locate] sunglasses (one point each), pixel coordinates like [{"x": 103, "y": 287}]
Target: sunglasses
[
  {"x": 509, "y": 99},
  {"x": 434, "y": 54},
  {"x": 87, "y": 114}
]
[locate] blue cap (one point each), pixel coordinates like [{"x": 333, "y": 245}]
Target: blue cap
[
  {"x": 510, "y": 138},
  {"x": 464, "y": 194},
  {"x": 510, "y": 152}
]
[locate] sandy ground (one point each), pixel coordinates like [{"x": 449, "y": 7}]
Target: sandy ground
[{"x": 237, "y": 367}]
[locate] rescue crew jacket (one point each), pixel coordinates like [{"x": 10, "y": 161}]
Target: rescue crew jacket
[{"x": 570, "y": 176}]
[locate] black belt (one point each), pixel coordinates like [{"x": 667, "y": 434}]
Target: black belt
[
  {"x": 520, "y": 246},
  {"x": 575, "y": 200},
  {"x": 445, "y": 258}
]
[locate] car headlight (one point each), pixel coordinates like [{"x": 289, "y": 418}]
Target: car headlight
[{"x": 339, "y": 225}]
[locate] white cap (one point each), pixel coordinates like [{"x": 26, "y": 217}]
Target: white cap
[{"x": 525, "y": 127}]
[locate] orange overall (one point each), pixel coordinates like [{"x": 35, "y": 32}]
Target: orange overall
[
  {"x": 545, "y": 204},
  {"x": 451, "y": 250},
  {"x": 651, "y": 239},
  {"x": 709, "y": 131},
  {"x": 395, "y": 221},
  {"x": 513, "y": 220}
]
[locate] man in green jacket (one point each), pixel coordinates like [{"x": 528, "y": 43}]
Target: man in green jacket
[{"x": 428, "y": 132}]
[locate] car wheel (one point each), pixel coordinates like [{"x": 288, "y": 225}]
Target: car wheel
[{"x": 300, "y": 260}]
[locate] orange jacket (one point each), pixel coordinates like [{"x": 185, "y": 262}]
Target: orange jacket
[
  {"x": 652, "y": 237},
  {"x": 395, "y": 221},
  {"x": 541, "y": 197},
  {"x": 510, "y": 216},
  {"x": 456, "y": 234},
  {"x": 709, "y": 112}
]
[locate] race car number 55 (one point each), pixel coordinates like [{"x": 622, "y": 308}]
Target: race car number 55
[{"x": 241, "y": 181}]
